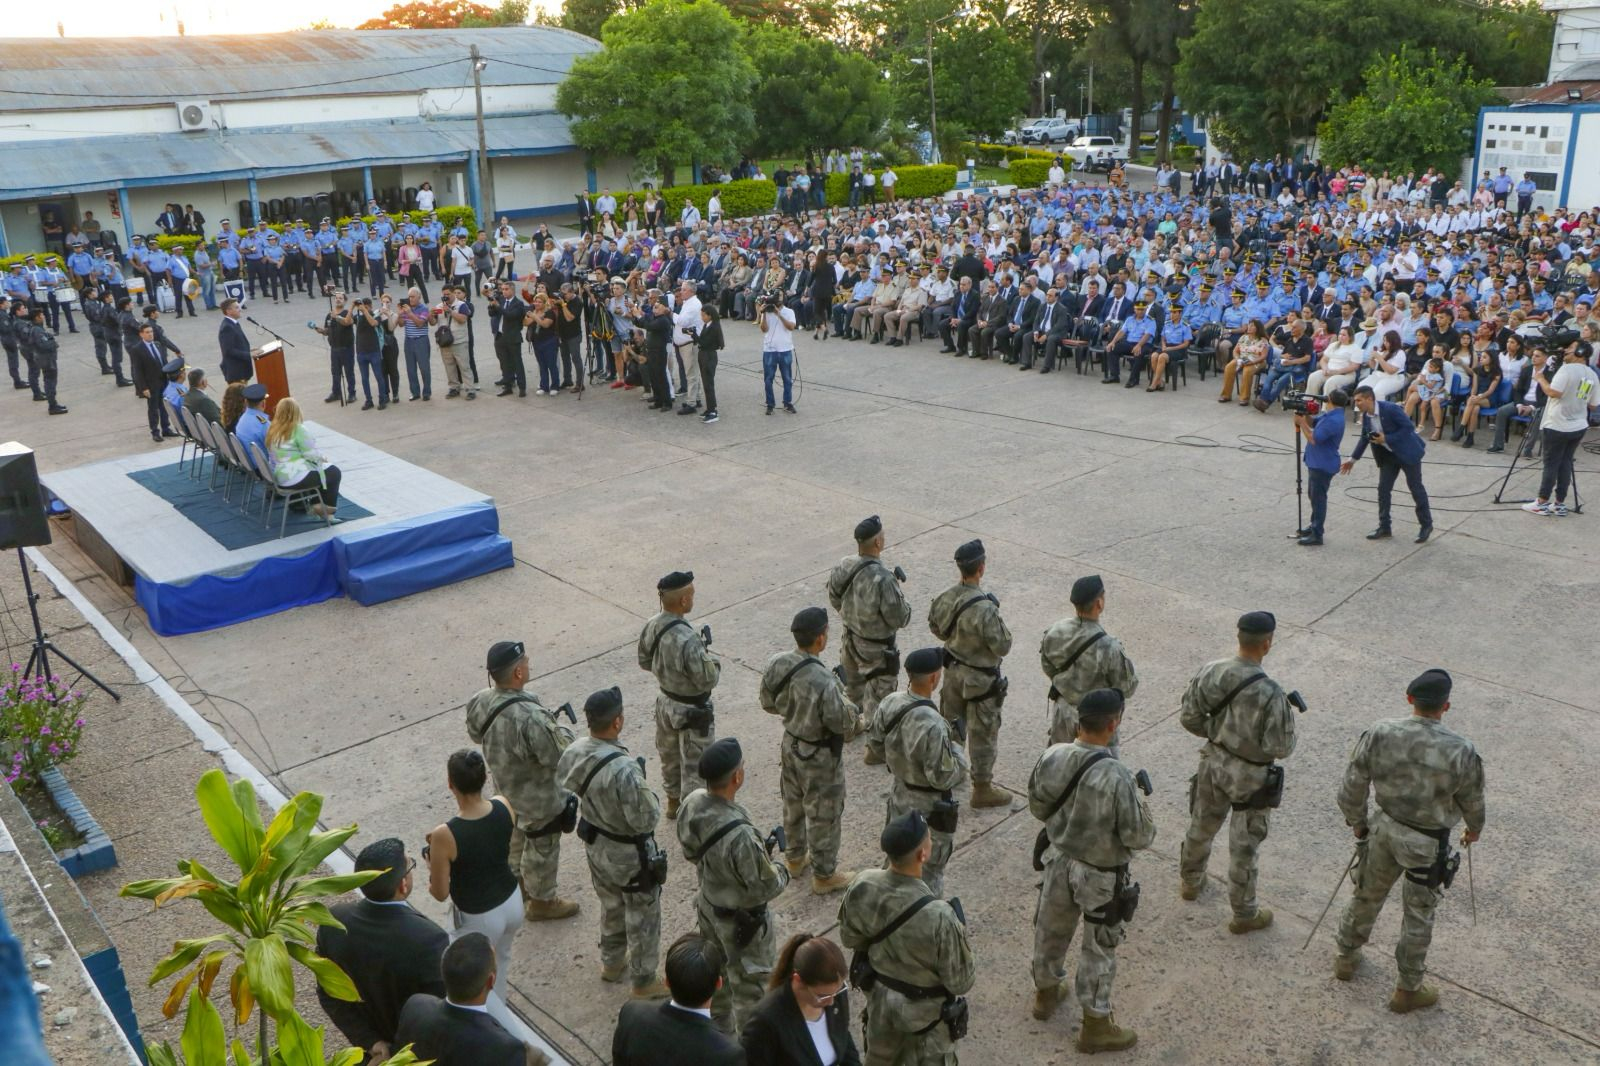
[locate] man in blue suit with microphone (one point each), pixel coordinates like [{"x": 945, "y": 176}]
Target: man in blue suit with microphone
[{"x": 1396, "y": 449}]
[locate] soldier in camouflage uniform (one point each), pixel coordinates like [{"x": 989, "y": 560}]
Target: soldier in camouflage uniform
[
  {"x": 1093, "y": 832},
  {"x": 737, "y": 880},
  {"x": 686, "y": 672},
  {"x": 1424, "y": 779},
  {"x": 817, "y": 717},
  {"x": 619, "y": 816},
  {"x": 522, "y": 742},
  {"x": 975, "y": 639},
  {"x": 927, "y": 761},
  {"x": 920, "y": 967},
  {"x": 1078, "y": 656},
  {"x": 866, "y": 593},
  {"x": 1246, "y": 720}
]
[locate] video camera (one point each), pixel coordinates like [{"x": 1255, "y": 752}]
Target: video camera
[
  {"x": 1555, "y": 338},
  {"x": 1300, "y": 403}
]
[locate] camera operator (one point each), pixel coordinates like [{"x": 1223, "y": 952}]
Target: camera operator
[
  {"x": 569, "y": 332},
  {"x": 776, "y": 323},
  {"x": 1527, "y": 400},
  {"x": 368, "y": 330},
  {"x": 657, "y": 325},
  {"x": 451, "y": 318},
  {"x": 1573, "y": 392},
  {"x": 339, "y": 328},
  {"x": 1323, "y": 433}
]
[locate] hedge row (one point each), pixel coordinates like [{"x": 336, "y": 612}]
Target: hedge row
[
  {"x": 750, "y": 197},
  {"x": 910, "y": 182},
  {"x": 992, "y": 155},
  {"x": 1030, "y": 173}
]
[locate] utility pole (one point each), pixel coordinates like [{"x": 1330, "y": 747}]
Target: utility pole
[
  {"x": 485, "y": 179},
  {"x": 933, "y": 107},
  {"x": 1089, "y": 105}
]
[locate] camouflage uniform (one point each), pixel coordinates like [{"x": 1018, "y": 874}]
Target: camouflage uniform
[
  {"x": 926, "y": 762},
  {"x": 1244, "y": 737},
  {"x": 814, "y": 707},
  {"x": 619, "y": 802},
  {"x": 975, "y": 640},
  {"x": 1097, "y": 830},
  {"x": 686, "y": 672},
  {"x": 930, "y": 950},
  {"x": 868, "y": 599},
  {"x": 1423, "y": 776},
  {"x": 735, "y": 873},
  {"x": 522, "y": 747},
  {"x": 1103, "y": 664}
]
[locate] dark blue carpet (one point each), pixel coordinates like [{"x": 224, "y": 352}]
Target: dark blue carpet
[{"x": 222, "y": 521}]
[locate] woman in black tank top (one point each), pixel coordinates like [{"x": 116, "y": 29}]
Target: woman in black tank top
[{"x": 469, "y": 856}]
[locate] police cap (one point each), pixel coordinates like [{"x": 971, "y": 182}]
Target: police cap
[
  {"x": 172, "y": 366},
  {"x": 256, "y": 392}
]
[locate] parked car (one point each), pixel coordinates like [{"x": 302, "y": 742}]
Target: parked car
[
  {"x": 1050, "y": 131},
  {"x": 1094, "y": 148},
  {"x": 1020, "y": 134}
]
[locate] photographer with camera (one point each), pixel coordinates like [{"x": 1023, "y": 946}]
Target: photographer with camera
[
  {"x": 368, "y": 330},
  {"x": 339, "y": 328},
  {"x": 1573, "y": 392},
  {"x": 1323, "y": 431},
  {"x": 451, "y": 318},
  {"x": 777, "y": 324},
  {"x": 656, "y": 322}
]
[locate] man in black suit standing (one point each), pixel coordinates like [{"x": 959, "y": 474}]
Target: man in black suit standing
[
  {"x": 389, "y": 951},
  {"x": 585, "y": 212},
  {"x": 149, "y": 379},
  {"x": 457, "y": 1030},
  {"x": 236, "y": 363},
  {"x": 678, "y": 1032},
  {"x": 507, "y": 313}
]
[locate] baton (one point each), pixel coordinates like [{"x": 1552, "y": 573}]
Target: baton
[
  {"x": 1472, "y": 893},
  {"x": 1338, "y": 885}
]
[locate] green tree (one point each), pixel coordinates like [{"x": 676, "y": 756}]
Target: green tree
[
  {"x": 1414, "y": 111},
  {"x": 427, "y": 15},
  {"x": 672, "y": 85},
  {"x": 586, "y": 16},
  {"x": 811, "y": 95},
  {"x": 509, "y": 13}
]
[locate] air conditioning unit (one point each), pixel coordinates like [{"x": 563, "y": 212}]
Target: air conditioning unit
[{"x": 194, "y": 115}]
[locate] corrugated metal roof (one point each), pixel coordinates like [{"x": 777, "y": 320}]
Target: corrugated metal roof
[
  {"x": 89, "y": 163},
  {"x": 54, "y": 74}
]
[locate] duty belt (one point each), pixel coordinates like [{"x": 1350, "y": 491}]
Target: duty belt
[
  {"x": 693, "y": 701},
  {"x": 887, "y": 641},
  {"x": 635, "y": 840},
  {"x": 911, "y": 991},
  {"x": 733, "y": 912},
  {"x": 1241, "y": 758},
  {"x": 991, "y": 670},
  {"x": 1441, "y": 835},
  {"x": 942, "y": 793}
]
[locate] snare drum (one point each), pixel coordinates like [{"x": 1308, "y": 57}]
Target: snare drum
[
  {"x": 65, "y": 294},
  {"x": 135, "y": 285}
]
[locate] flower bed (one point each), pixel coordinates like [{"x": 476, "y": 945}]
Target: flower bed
[{"x": 40, "y": 729}]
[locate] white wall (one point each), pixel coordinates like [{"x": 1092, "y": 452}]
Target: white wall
[
  {"x": 449, "y": 181},
  {"x": 1577, "y": 37},
  {"x": 1584, "y": 192},
  {"x": 532, "y": 182},
  {"x": 1526, "y": 141},
  {"x": 497, "y": 100}
]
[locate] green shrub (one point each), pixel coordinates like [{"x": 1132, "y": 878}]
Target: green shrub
[
  {"x": 1030, "y": 173},
  {"x": 740, "y": 199},
  {"x": 911, "y": 183},
  {"x": 1185, "y": 154}
]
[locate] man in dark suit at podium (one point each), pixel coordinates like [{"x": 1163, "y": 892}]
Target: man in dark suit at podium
[
  {"x": 236, "y": 364},
  {"x": 457, "y": 1030},
  {"x": 1397, "y": 450}
]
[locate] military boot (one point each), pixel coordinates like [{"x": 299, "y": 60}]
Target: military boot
[
  {"x": 547, "y": 910},
  {"x": 872, "y": 758},
  {"x": 1046, "y": 1000},
  {"x": 834, "y": 882},
  {"x": 1192, "y": 892},
  {"x": 656, "y": 989},
  {"x": 672, "y": 806},
  {"x": 989, "y": 794},
  {"x": 613, "y": 974},
  {"x": 1405, "y": 1000},
  {"x": 1104, "y": 1034},
  {"x": 797, "y": 861},
  {"x": 1259, "y": 920},
  {"x": 1344, "y": 966}
]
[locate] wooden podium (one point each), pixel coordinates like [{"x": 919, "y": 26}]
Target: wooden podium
[{"x": 271, "y": 372}]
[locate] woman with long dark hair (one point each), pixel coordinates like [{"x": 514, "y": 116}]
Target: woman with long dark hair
[
  {"x": 805, "y": 1017},
  {"x": 709, "y": 341}
]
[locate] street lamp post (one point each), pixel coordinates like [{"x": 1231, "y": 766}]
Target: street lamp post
[
  {"x": 1044, "y": 78},
  {"x": 933, "y": 104}
]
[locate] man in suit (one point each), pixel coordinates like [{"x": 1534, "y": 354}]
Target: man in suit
[
  {"x": 1019, "y": 324},
  {"x": 1396, "y": 449},
  {"x": 678, "y": 1032},
  {"x": 506, "y": 315},
  {"x": 585, "y": 213},
  {"x": 992, "y": 314},
  {"x": 236, "y": 363},
  {"x": 149, "y": 380},
  {"x": 457, "y": 1030},
  {"x": 389, "y": 951},
  {"x": 963, "y": 313},
  {"x": 1049, "y": 330}
]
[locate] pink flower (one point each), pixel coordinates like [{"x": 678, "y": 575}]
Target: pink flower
[{"x": 44, "y": 731}]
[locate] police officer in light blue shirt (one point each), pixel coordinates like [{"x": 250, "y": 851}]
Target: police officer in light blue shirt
[
  {"x": 176, "y": 390},
  {"x": 137, "y": 254},
  {"x": 1175, "y": 339},
  {"x": 250, "y": 248},
  {"x": 274, "y": 257},
  {"x": 253, "y": 423},
  {"x": 178, "y": 270},
  {"x": 1260, "y": 306},
  {"x": 205, "y": 272},
  {"x": 428, "y": 235},
  {"x": 81, "y": 263},
  {"x": 156, "y": 265},
  {"x": 375, "y": 251},
  {"x": 349, "y": 251},
  {"x": 229, "y": 259},
  {"x": 294, "y": 258},
  {"x": 327, "y": 243},
  {"x": 1134, "y": 343}
]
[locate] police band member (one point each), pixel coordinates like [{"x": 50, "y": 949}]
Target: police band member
[
  {"x": 1424, "y": 780},
  {"x": 686, "y": 671}
]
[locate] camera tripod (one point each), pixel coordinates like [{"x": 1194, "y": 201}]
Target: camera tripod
[
  {"x": 1299, "y": 485},
  {"x": 39, "y": 660},
  {"x": 1526, "y": 448}
]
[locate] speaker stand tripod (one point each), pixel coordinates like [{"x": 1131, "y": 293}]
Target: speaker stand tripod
[{"x": 39, "y": 660}]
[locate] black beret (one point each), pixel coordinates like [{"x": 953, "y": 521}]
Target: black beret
[
  {"x": 720, "y": 759},
  {"x": 809, "y": 623},
  {"x": 603, "y": 702},
  {"x": 903, "y": 835},
  {"x": 924, "y": 661},
  {"x": 503, "y": 654},
  {"x": 1100, "y": 703},
  {"x": 868, "y": 528},
  {"x": 970, "y": 552},
  {"x": 257, "y": 391},
  {"x": 676, "y": 580},
  {"x": 1085, "y": 589},
  {"x": 1257, "y": 622},
  {"x": 1430, "y": 686}
]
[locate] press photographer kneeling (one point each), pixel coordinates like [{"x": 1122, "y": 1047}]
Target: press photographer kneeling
[{"x": 1323, "y": 431}]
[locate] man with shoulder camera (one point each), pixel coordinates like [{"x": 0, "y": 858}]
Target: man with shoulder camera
[
  {"x": 339, "y": 328},
  {"x": 367, "y": 330},
  {"x": 1322, "y": 432},
  {"x": 452, "y": 322},
  {"x": 776, "y": 323}
]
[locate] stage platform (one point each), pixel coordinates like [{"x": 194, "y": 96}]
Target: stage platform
[{"x": 196, "y": 564}]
